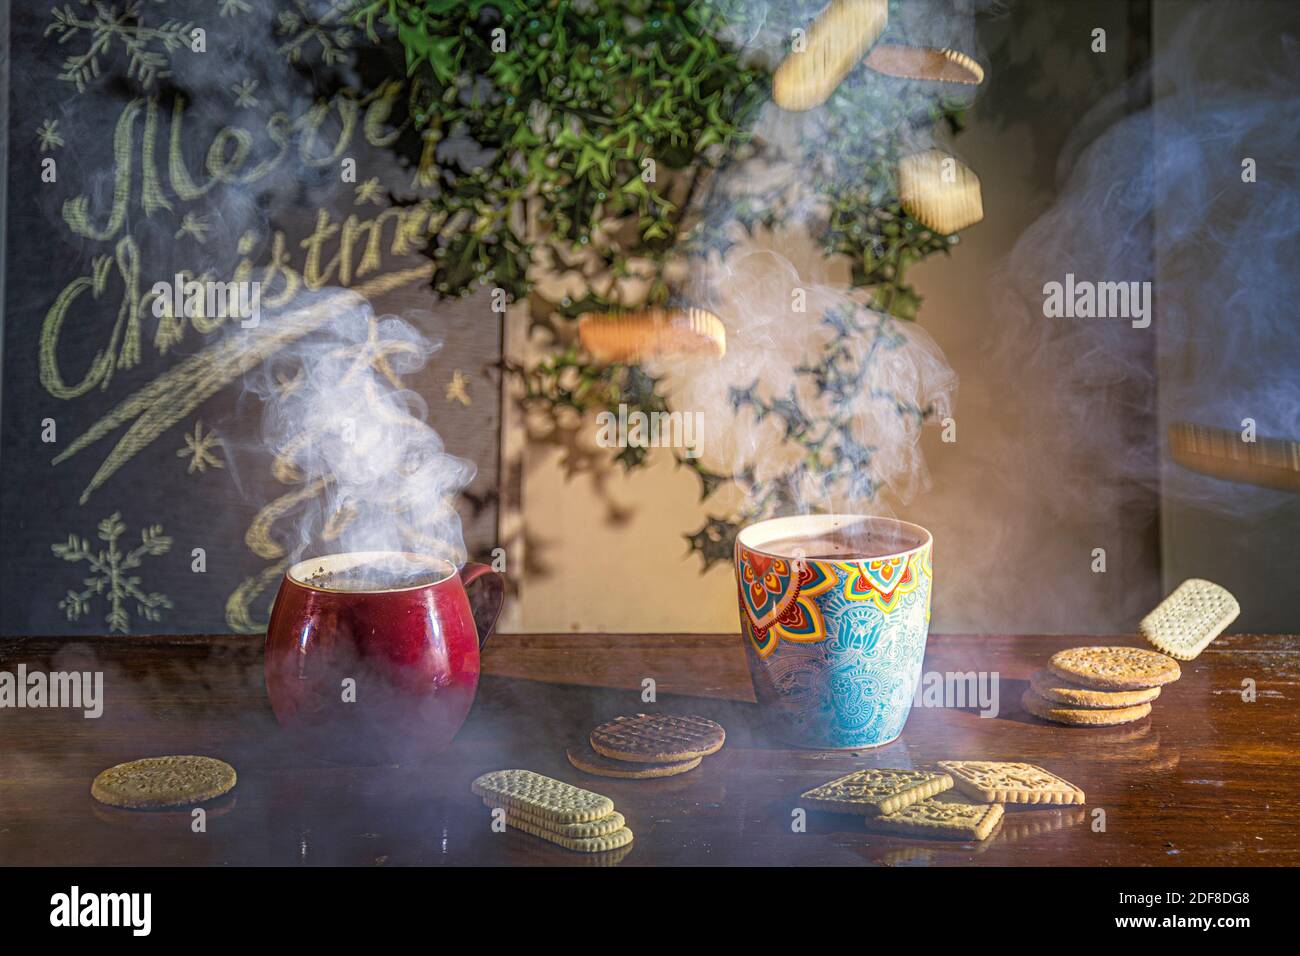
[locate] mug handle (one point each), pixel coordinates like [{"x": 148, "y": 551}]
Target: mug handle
[{"x": 485, "y": 601}]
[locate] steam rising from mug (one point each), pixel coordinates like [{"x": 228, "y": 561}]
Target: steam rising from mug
[
  {"x": 345, "y": 429},
  {"x": 768, "y": 345}
]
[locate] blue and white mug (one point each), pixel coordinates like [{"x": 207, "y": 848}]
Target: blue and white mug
[{"x": 835, "y": 611}]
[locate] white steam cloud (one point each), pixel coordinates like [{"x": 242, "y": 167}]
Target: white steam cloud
[
  {"x": 344, "y": 429},
  {"x": 768, "y": 345}
]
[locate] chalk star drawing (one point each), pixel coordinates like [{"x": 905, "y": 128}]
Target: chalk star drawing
[
  {"x": 196, "y": 226},
  {"x": 199, "y": 450},
  {"x": 106, "y": 24},
  {"x": 244, "y": 92},
  {"x": 373, "y": 354},
  {"x": 332, "y": 36},
  {"x": 109, "y": 577},
  {"x": 458, "y": 388},
  {"x": 286, "y": 385},
  {"x": 369, "y": 191},
  {"x": 49, "y": 137}
]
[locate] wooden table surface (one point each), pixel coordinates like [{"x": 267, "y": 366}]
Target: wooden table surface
[{"x": 1208, "y": 779}]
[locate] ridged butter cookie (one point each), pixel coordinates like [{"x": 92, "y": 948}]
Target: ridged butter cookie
[
  {"x": 939, "y": 191},
  {"x": 1186, "y": 622},
  {"x": 574, "y": 831},
  {"x": 652, "y": 333},
  {"x": 877, "y": 791},
  {"x": 1001, "y": 781},
  {"x": 834, "y": 45},
  {"x": 599, "y": 844},
  {"x": 542, "y": 796},
  {"x": 946, "y": 816}
]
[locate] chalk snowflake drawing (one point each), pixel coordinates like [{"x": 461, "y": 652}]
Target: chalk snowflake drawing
[
  {"x": 110, "y": 577},
  {"x": 102, "y": 27},
  {"x": 245, "y": 93},
  {"x": 48, "y": 136},
  {"x": 330, "y": 31},
  {"x": 199, "y": 449}
]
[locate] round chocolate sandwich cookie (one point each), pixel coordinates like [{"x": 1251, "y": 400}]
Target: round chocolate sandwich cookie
[
  {"x": 1081, "y": 716},
  {"x": 163, "y": 782},
  {"x": 588, "y": 761},
  {"x": 1050, "y": 687},
  {"x": 1114, "y": 668},
  {"x": 657, "y": 738}
]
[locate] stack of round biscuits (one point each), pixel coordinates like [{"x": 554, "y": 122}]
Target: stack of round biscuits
[{"x": 1099, "y": 686}]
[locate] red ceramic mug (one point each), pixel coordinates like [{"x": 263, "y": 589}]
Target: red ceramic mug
[{"x": 375, "y": 654}]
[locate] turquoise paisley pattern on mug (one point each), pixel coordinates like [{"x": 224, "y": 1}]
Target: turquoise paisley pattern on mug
[{"x": 849, "y": 680}]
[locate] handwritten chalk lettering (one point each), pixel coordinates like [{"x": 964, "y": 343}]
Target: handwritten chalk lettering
[
  {"x": 227, "y": 156},
  {"x": 357, "y": 250}
]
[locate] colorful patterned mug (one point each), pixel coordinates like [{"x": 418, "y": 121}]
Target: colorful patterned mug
[{"x": 835, "y": 611}]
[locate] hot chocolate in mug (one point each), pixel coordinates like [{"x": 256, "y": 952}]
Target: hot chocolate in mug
[
  {"x": 374, "y": 655},
  {"x": 835, "y": 610}
]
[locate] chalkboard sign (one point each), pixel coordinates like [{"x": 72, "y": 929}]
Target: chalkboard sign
[{"x": 158, "y": 151}]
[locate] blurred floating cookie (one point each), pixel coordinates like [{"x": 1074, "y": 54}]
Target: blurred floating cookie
[
  {"x": 834, "y": 45},
  {"x": 163, "y": 782},
  {"x": 632, "y": 337},
  {"x": 1220, "y": 453},
  {"x": 588, "y": 761},
  {"x": 939, "y": 191},
  {"x": 1114, "y": 668},
  {"x": 1186, "y": 622},
  {"x": 924, "y": 63},
  {"x": 1050, "y": 687},
  {"x": 1082, "y": 716},
  {"x": 541, "y": 796},
  {"x": 877, "y": 791},
  {"x": 1003, "y": 781},
  {"x": 657, "y": 738},
  {"x": 947, "y": 817}
]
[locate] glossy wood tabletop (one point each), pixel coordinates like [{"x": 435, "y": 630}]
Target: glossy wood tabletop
[{"x": 1208, "y": 779}]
